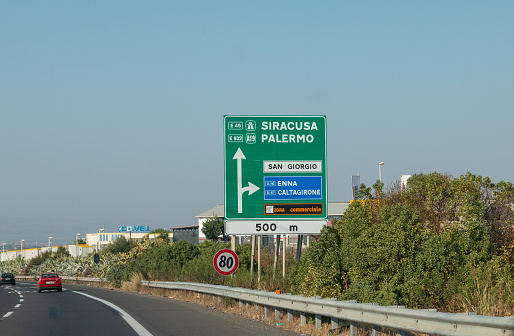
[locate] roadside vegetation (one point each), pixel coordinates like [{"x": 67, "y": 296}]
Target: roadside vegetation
[{"x": 443, "y": 243}]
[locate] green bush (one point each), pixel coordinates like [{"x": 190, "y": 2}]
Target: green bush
[
  {"x": 120, "y": 245},
  {"x": 164, "y": 262},
  {"x": 423, "y": 247}
]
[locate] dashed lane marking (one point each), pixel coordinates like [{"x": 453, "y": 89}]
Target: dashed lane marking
[{"x": 15, "y": 307}]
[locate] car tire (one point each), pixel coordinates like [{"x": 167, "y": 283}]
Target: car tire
[
  {"x": 39, "y": 290},
  {"x": 59, "y": 290}
]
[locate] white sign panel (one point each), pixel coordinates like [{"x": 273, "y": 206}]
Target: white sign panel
[
  {"x": 271, "y": 227},
  {"x": 293, "y": 166}
]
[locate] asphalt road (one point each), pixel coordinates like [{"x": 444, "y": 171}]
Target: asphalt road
[{"x": 77, "y": 311}]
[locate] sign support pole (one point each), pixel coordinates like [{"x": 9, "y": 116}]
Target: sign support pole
[
  {"x": 259, "y": 262},
  {"x": 233, "y": 243},
  {"x": 277, "y": 250},
  {"x": 253, "y": 258},
  {"x": 299, "y": 244},
  {"x": 284, "y": 248}
]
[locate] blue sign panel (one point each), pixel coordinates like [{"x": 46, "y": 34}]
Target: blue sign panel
[{"x": 293, "y": 188}]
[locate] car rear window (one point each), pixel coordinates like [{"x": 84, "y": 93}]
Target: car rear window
[
  {"x": 7, "y": 275},
  {"x": 49, "y": 275}
]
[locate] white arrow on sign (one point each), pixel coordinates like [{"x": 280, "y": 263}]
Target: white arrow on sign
[{"x": 240, "y": 190}]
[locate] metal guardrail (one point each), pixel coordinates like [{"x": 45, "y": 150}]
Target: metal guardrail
[
  {"x": 394, "y": 317},
  {"x": 63, "y": 277},
  {"x": 398, "y": 318}
]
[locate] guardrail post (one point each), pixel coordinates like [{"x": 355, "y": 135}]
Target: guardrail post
[
  {"x": 290, "y": 315},
  {"x": 289, "y": 312},
  {"x": 266, "y": 312},
  {"x": 318, "y": 321},
  {"x": 318, "y": 317},
  {"x": 241, "y": 303},
  {"x": 303, "y": 318},
  {"x": 277, "y": 312},
  {"x": 354, "y": 328},
  {"x": 334, "y": 321}
]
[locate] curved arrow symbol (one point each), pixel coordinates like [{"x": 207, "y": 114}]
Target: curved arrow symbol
[{"x": 239, "y": 156}]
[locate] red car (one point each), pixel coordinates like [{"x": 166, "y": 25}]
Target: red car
[{"x": 49, "y": 281}]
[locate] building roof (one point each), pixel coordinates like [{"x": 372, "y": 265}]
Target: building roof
[
  {"x": 334, "y": 209},
  {"x": 217, "y": 211},
  {"x": 184, "y": 227}
]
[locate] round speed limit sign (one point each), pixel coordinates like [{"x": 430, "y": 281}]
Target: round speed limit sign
[{"x": 226, "y": 262}]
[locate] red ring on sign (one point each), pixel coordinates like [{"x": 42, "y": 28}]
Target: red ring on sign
[{"x": 215, "y": 262}]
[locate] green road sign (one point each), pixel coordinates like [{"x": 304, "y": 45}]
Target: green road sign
[{"x": 275, "y": 168}]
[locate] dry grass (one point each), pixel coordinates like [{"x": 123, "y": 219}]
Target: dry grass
[
  {"x": 485, "y": 299},
  {"x": 134, "y": 285}
]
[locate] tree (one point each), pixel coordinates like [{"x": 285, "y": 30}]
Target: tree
[
  {"x": 364, "y": 192},
  {"x": 161, "y": 234},
  {"x": 62, "y": 252},
  {"x": 120, "y": 245},
  {"x": 213, "y": 228},
  {"x": 378, "y": 187}
]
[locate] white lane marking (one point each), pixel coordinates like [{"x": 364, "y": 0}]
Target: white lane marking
[
  {"x": 138, "y": 328},
  {"x": 6, "y": 315},
  {"x": 15, "y": 307}
]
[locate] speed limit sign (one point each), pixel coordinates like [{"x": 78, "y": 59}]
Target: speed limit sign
[{"x": 226, "y": 262}]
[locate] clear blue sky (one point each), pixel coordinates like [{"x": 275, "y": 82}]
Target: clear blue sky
[{"x": 112, "y": 111}]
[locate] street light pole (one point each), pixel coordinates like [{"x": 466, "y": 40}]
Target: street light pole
[
  {"x": 21, "y": 249},
  {"x": 380, "y": 164},
  {"x": 77, "y": 245},
  {"x": 3, "y": 251},
  {"x": 50, "y": 244}
]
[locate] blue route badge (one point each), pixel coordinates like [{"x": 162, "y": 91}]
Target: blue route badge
[{"x": 293, "y": 188}]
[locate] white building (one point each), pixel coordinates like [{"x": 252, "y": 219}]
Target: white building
[{"x": 105, "y": 238}]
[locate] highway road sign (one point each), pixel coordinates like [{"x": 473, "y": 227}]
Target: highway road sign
[
  {"x": 225, "y": 262},
  {"x": 275, "y": 169}
]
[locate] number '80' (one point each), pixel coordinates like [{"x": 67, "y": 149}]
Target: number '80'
[{"x": 226, "y": 262}]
